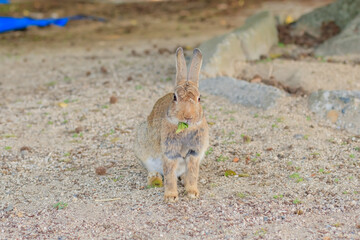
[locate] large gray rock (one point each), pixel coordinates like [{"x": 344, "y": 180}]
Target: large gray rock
[
  {"x": 340, "y": 107},
  {"x": 340, "y": 11},
  {"x": 253, "y": 39},
  {"x": 238, "y": 91},
  {"x": 347, "y": 42}
]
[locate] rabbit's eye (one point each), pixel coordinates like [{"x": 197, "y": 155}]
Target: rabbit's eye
[
  {"x": 199, "y": 99},
  {"x": 175, "y": 99}
]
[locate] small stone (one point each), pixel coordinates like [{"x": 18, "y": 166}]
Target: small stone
[
  {"x": 333, "y": 115},
  {"x": 298, "y": 136},
  {"x": 103, "y": 70},
  {"x": 113, "y": 99}
]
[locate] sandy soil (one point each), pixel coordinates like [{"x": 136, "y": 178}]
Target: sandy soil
[{"x": 300, "y": 175}]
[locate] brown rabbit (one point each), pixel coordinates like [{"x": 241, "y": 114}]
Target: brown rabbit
[{"x": 163, "y": 151}]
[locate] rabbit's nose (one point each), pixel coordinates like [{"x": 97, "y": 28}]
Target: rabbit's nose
[{"x": 188, "y": 118}]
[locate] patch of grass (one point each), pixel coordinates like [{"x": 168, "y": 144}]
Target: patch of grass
[
  {"x": 117, "y": 178},
  {"x": 308, "y": 118},
  {"x": 50, "y": 122},
  {"x": 352, "y": 155},
  {"x": 296, "y": 201},
  {"x": 51, "y": 84},
  {"x": 7, "y": 148},
  {"x": 221, "y": 158},
  {"x": 281, "y": 45},
  {"x": 256, "y": 115},
  {"x": 66, "y": 154},
  {"x": 296, "y": 176},
  {"x": 76, "y": 135},
  {"x": 241, "y": 195},
  {"x": 357, "y": 149},
  {"x": 280, "y": 119},
  {"x": 209, "y": 151},
  {"x": 274, "y": 126},
  {"x": 138, "y": 87},
  {"x": 306, "y": 137},
  {"x": 67, "y": 79},
  {"x": 60, "y": 205},
  {"x": 105, "y": 106},
  {"x": 9, "y": 136},
  {"x": 280, "y": 196},
  {"x": 260, "y": 232},
  {"x": 336, "y": 180}
]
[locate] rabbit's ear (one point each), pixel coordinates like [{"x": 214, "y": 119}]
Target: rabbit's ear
[
  {"x": 181, "y": 69},
  {"x": 195, "y": 66}
]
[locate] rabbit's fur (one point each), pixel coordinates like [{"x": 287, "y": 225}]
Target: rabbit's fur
[{"x": 163, "y": 151}]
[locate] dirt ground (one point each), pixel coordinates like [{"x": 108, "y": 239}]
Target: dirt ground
[{"x": 67, "y": 167}]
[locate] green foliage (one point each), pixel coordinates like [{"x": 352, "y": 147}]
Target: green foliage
[
  {"x": 181, "y": 127},
  {"x": 60, "y": 205}
]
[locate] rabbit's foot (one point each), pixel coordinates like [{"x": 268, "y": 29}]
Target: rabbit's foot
[
  {"x": 193, "y": 193},
  {"x": 154, "y": 179},
  {"x": 171, "y": 197}
]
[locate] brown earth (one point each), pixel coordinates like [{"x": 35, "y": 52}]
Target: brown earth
[{"x": 67, "y": 168}]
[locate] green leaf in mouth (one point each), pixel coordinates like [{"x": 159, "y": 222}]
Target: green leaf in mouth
[{"x": 181, "y": 127}]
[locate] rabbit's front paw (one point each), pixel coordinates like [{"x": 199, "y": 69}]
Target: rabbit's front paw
[
  {"x": 171, "y": 197},
  {"x": 193, "y": 193}
]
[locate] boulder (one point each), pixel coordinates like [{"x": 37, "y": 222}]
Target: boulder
[
  {"x": 347, "y": 42},
  {"x": 340, "y": 11},
  {"x": 249, "y": 42},
  {"x": 340, "y": 107},
  {"x": 245, "y": 93}
]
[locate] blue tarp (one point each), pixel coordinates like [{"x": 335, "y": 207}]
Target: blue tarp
[
  {"x": 11, "y": 23},
  {"x": 4, "y": 1}
]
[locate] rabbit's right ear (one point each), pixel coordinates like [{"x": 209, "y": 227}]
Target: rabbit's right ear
[{"x": 181, "y": 69}]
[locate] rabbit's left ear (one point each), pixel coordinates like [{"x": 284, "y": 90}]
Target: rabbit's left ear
[{"x": 196, "y": 62}]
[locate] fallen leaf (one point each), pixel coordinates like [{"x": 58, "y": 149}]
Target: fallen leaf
[
  {"x": 114, "y": 140},
  {"x": 113, "y": 100},
  {"x": 269, "y": 149},
  {"x": 246, "y": 139},
  {"x": 229, "y": 173},
  {"x": 62, "y": 105},
  {"x": 103, "y": 70},
  {"x": 25, "y": 148},
  {"x": 156, "y": 182},
  {"x": 299, "y": 212},
  {"x": 235, "y": 159},
  {"x": 289, "y": 19},
  {"x": 247, "y": 160},
  {"x": 256, "y": 79},
  {"x": 243, "y": 175},
  {"x": 100, "y": 171},
  {"x": 79, "y": 129}
]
